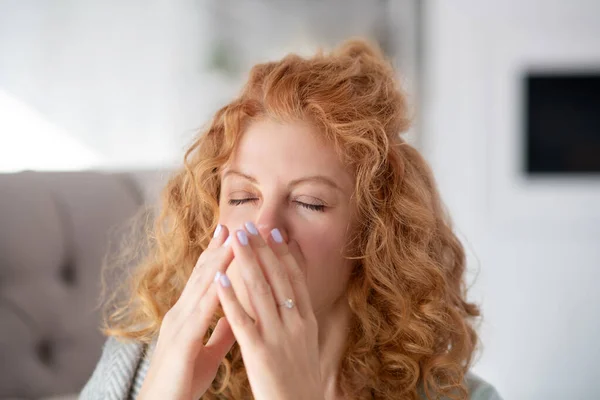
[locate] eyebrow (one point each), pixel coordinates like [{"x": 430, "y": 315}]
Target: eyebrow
[{"x": 312, "y": 178}]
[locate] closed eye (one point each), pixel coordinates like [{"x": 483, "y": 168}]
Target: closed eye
[
  {"x": 239, "y": 202},
  {"x": 313, "y": 207},
  {"x": 308, "y": 206}
]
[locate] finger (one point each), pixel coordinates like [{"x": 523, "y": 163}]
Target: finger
[
  {"x": 218, "y": 259},
  {"x": 274, "y": 270},
  {"x": 241, "y": 324},
  {"x": 259, "y": 290},
  {"x": 208, "y": 361},
  {"x": 218, "y": 241},
  {"x": 219, "y": 236},
  {"x": 200, "y": 279},
  {"x": 220, "y": 341},
  {"x": 193, "y": 326},
  {"x": 296, "y": 274}
]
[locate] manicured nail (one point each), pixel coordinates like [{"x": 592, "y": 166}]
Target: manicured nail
[
  {"x": 227, "y": 241},
  {"x": 251, "y": 228},
  {"x": 218, "y": 230},
  {"x": 217, "y": 276},
  {"x": 242, "y": 237},
  {"x": 276, "y": 235},
  {"x": 224, "y": 280}
]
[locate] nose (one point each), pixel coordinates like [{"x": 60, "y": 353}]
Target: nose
[{"x": 271, "y": 217}]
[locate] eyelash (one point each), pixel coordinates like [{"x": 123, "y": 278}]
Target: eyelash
[{"x": 313, "y": 207}]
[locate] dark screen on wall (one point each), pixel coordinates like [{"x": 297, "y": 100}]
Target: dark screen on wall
[{"x": 562, "y": 124}]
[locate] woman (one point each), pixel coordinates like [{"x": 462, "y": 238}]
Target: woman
[{"x": 332, "y": 273}]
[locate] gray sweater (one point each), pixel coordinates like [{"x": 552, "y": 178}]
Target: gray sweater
[{"x": 123, "y": 365}]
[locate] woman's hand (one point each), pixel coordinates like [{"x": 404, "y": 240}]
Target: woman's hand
[
  {"x": 280, "y": 348},
  {"x": 182, "y": 366}
]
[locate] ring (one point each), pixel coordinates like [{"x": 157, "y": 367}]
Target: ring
[{"x": 288, "y": 303}]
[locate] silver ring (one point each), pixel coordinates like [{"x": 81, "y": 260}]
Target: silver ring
[{"x": 288, "y": 303}]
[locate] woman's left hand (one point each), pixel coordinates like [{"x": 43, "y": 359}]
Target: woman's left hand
[{"x": 279, "y": 348}]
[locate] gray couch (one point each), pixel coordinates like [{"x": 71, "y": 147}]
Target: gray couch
[{"x": 54, "y": 230}]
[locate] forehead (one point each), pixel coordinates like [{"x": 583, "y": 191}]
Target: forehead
[{"x": 289, "y": 150}]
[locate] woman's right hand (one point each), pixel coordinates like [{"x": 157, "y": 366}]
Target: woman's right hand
[{"x": 182, "y": 367}]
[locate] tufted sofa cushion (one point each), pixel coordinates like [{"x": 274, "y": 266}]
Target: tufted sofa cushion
[{"x": 53, "y": 238}]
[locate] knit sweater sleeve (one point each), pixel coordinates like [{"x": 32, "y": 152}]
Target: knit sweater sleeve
[
  {"x": 114, "y": 374},
  {"x": 480, "y": 389}
]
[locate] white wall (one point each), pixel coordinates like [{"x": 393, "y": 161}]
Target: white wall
[
  {"x": 128, "y": 80},
  {"x": 127, "y": 84},
  {"x": 535, "y": 244}
]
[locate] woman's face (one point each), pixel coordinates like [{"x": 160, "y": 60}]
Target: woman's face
[{"x": 282, "y": 176}]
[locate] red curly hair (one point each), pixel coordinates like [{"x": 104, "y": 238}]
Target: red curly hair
[{"x": 412, "y": 328}]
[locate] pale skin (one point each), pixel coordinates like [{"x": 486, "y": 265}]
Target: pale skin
[{"x": 286, "y": 207}]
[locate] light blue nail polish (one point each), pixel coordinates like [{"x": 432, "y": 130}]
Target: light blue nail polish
[
  {"x": 217, "y": 276},
  {"x": 276, "y": 235},
  {"x": 217, "y": 231},
  {"x": 224, "y": 280},
  {"x": 242, "y": 237},
  {"x": 227, "y": 241},
  {"x": 251, "y": 228}
]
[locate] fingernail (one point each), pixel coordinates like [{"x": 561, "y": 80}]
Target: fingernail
[
  {"x": 217, "y": 276},
  {"x": 251, "y": 228},
  {"x": 242, "y": 237},
  {"x": 276, "y": 235},
  {"x": 217, "y": 231},
  {"x": 224, "y": 280},
  {"x": 227, "y": 241}
]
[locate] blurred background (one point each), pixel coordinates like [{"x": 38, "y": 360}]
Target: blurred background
[{"x": 99, "y": 99}]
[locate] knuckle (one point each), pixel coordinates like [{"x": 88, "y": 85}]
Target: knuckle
[
  {"x": 284, "y": 253},
  {"x": 261, "y": 287},
  {"x": 298, "y": 326},
  {"x": 294, "y": 330},
  {"x": 203, "y": 257},
  {"x": 260, "y": 244},
  {"x": 207, "y": 256},
  {"x": 280, "y": 273},
  {"x": 197, "y": 271},
  {"x": 296, "y": 275}
]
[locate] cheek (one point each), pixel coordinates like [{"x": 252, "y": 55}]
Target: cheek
[
  {"x": 234, "y": 218},
  {"x": 327, "y": 270}
]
